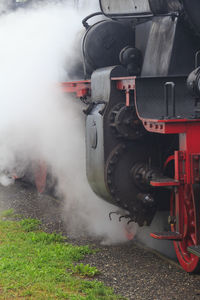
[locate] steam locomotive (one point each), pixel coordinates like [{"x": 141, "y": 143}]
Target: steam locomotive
[
  {"x": 140, "y": 78},
  {"x": 139, "y": 75}
]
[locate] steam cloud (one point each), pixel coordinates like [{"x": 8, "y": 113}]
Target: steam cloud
[{"x": 37, "y": 121}]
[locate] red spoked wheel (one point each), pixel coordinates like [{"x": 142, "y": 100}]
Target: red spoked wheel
[{"x": 185, "y": 209}]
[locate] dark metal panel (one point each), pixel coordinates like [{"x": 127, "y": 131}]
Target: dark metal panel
[
  {"x": 103, "y": 42},
  {"x": 101, "y": 83},
  {"x": 99, "y": 139},
  {"x": 192, "y": 9},
  {"x": 184, "y": 50},
  {"x": 151, "y": 102},
  {"x": 95, "y": 161}
]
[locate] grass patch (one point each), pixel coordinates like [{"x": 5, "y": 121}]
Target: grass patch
[
  {"x": 30, "y": 224},
  {"x": 38, "y": 265},
  {"x": 10, "y": 214},
  {"x": 85, "y": 270}
]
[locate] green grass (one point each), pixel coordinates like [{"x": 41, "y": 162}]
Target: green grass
[
  {"x": 85, "y": 270},
  {"x": 38, "y": 265},
  {"x": 8, "y": 213},
  {"x": 30, "y": 224}
]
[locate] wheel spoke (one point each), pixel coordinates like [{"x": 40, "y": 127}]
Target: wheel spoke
[
  {"x": 193, "y": 238},
  {"x": 189, "y": 262}
]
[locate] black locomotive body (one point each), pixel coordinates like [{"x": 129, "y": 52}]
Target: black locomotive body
[{"x": 143, "y": 121}]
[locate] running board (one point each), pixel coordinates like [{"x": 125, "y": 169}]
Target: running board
[
  {"x": 167, "y": 235},
  {"x": 194, "y": 250}
]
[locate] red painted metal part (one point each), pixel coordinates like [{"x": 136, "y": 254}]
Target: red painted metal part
[
  {"x": 81, "y": 89},
  {"x": 170, "y": 126},
  {"x": 187, "y": 159},
  {"x": 125, "y": 84},
  {"x": 187, "y": 173},
  {"x": 168, "y": 160},
  {"x": 40, "y": 175},
  {"x": 166, "y": 236},
  {"x": 184, "y": 207},
  {"x": 186, "y": 211},
  {"x": 164, "y": 183}
]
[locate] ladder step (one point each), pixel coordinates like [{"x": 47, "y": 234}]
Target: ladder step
[
  {"x": 194, "y": 250},
  {"x": 164, "y": 181},
  {"x": 167, "y": 235}
]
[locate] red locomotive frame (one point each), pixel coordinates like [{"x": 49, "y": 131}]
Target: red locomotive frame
[{"x": 185, "y": 187}]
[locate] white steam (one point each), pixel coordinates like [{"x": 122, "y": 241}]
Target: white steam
[
  {"x": 38, "y": 122},
  {"x": 5, "y": 5}
]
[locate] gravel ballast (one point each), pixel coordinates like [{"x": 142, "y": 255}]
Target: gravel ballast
[{"x": 132, "y": 270}]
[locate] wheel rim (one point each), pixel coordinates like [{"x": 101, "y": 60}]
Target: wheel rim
[{"x": 187, "y": 195}]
